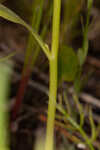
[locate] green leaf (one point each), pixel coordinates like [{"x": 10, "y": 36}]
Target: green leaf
[
  {"x": 11, "y": 16},
  {"x": 67, "y": 64}
]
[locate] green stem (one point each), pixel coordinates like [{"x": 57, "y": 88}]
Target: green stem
[
  {"x": 49, "y": 145},
  {"x": 39, "y": 40},
  {"x": 5, "y": 58},
  {"x": 5, "y": 74},
  {"x": 36, "y": 20},
  {"x": 86, "y": 138},
  {"x": 78, "y": 127}
]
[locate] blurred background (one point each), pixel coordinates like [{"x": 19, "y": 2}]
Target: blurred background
[{"x": 13, "y": 37}]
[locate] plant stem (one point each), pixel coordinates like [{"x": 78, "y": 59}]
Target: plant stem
[
  {"x": 78, "y": 127},
  {"x": 36, "y": 21},
  {"x": 5, "y": 74},
  {"x": 21, "y": 92},
  {"x": 27, "y": 69},
  {"x": 49, "y": 144}
]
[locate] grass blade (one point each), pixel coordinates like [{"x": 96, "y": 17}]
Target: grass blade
[{"x": 6, "y": 13}]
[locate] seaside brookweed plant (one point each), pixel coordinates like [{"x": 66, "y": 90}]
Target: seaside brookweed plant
[{"x": 52, "y": 56}]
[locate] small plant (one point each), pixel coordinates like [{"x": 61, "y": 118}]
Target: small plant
[
  {"x": 52, "y": 57},
  {"x": 64, "y": 65}
]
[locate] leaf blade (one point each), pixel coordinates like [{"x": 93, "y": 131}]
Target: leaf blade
[
  {"x": 7, "y": 14},
  {"x": 67, "y": 64}
]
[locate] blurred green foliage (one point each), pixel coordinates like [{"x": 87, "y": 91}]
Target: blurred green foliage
[
  {"x": 71, "y": 13},
  {"x": 67, "y": 64},
  {"x": 5, "y": 74}
]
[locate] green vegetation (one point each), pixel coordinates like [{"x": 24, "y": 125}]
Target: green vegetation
[{"x": 65, "y": 65}]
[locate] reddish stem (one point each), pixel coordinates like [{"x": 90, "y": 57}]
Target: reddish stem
[{"x": 21, "y": 91}]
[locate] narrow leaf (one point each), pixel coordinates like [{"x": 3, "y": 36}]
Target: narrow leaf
[{"x": 11, "y": 16}]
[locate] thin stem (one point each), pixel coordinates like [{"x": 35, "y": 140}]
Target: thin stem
[
  {"x": 11, "y": 16},
  {"x": 27, "y": 69},
  {"x": 36, "y": 21},
  {"x": 80, "y": 109},
  {"x": 78, "y": 127},
  {"x": 8, "y": 56},
  {"x": 88, "y": 142},
  {"x": 49, "y": 145},
  {"x": 39, "y": 40}
]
